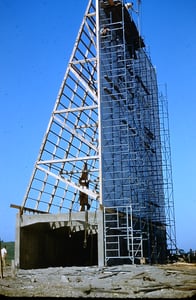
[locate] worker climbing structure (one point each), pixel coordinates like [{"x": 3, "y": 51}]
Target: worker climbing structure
[{"x": 102, "y": 182}]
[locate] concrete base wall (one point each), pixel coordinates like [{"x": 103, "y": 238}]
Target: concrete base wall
[
  {"x": 43, "y": 247},
  {"x": 56, "y": 240}
]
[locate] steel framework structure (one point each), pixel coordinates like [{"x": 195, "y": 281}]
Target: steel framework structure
[{"x": 107, "y": 142}]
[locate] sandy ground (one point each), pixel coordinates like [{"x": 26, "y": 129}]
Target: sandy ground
[{"x": 126, "y": 281}]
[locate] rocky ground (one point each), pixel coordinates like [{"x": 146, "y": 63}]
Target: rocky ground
[{"x": 126, "y": 281}]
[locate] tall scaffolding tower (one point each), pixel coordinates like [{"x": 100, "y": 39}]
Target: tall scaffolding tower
[{"x": 107, "y": 147}]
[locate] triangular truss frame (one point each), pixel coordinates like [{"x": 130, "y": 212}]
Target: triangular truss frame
[{"x": 70, "y": 146}]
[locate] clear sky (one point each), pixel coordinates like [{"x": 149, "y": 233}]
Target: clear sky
[{"x": 36, "y": 41}]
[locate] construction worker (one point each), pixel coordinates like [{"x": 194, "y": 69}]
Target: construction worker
[
  {"x": 104, "y": 31},
  {"x": 3, "y": 255},
  {"x": 130, "y": 6},
  {"x": 1, "y": 266},
  {"x": 83, "y": 181}
]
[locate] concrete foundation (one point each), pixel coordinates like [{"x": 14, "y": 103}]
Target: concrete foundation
[{"x": 51, "y": 240}]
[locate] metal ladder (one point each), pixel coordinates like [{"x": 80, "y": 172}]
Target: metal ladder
[{"x": 122, "y": 240}]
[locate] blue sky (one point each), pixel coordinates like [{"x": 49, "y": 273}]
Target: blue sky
[{"x": 36, "y": 41}]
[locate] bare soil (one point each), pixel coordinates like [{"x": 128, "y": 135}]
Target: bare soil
[{"x": 125, "y": 281}]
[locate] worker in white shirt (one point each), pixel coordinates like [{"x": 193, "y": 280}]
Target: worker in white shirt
[{"x": 3, "y": 255}]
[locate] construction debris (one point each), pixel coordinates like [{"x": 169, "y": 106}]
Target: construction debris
[{"x": 125, "y": 281}]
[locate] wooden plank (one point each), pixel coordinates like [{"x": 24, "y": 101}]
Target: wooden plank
[{"x": 23, "y": 208}]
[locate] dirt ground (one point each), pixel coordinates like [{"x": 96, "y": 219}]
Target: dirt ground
[{"x": 125, "y": 281}]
